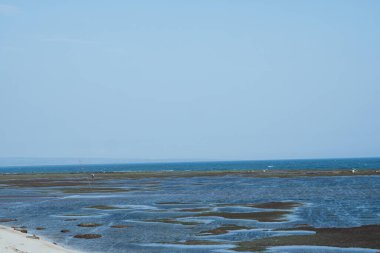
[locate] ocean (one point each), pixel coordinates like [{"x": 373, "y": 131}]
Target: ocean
[
  {"x": 194, "y": 214},
  {"x": 300, "y": 164},
  {"x": 179, "y": 214}
]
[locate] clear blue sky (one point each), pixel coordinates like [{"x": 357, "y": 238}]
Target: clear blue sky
[{"x": 200, "y": 79}]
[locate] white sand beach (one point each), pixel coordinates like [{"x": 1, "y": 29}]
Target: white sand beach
[{"x": 12, "y": 241}]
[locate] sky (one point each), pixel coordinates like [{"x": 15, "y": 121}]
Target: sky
[{"x": 190, "y": 80}]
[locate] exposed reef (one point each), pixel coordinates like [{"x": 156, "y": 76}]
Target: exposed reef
[
  {"x": 93, "y": 190},
  {"x": 174, "y": 221},
  {"x": 87, "y": 236},
  {"x": 270, "y": 216},
  {"x": 355, "y": 237},
  {"x": 104, "y": 207},
  {"x": 82, "y": 179},
  {"x": 120, "y": 226},
  {"x": 89, "y": 225},
  {"x": 223, "y": 229},
  {"x": 7, "y": 220}
]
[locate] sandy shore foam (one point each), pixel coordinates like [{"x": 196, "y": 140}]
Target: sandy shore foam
[{"x": 12, "y": 241}]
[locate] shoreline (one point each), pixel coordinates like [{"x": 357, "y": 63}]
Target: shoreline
[{"x": 12, "y": 241}]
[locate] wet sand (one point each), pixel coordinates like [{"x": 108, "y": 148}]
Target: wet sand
[
  {"x": 83, "y": 179},
  {"x": 12, "y": 241}
]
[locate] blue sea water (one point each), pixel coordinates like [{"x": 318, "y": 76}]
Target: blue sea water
[
  {"x": 347, "y": 201},
  {"x": 315, "y": 164}
]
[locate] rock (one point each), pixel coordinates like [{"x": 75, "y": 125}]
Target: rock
[
  {"x": 22, "y": 230},
  {"x": 89, "y": 225},
  {"x": 87, "y": 236},
  {"x": 7, "y": 220},
  {"x": 71, "y": 219},
  {"x": 33, "y": 237},
  {"x": 65, "y": 231},
  {"x": 14, "y": 227},
  {"x": 119, "y": 226}
]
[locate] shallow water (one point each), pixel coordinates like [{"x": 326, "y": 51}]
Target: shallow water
[{"x": 327, "y": 202}]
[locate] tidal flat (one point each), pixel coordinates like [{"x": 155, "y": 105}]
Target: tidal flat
[{"x": 197, "y": 211}]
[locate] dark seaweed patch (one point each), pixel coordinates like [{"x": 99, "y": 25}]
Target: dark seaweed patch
[
  {"x": 198, "y": 242},
  {"x": 87, "y": 236},
  {"x": 93, "y": 190},
  {"x": 195, "y": 210},
  {"x": 119, "y": 226},
  {"x": 355, "y": 237},
  {"x": 7, "y": 220},
  {"x": 276, "y": 205},
  {"x": 89, "y": 225},
  {"x": 104, "y": 207},
  {"x": 174, "y": 221},
  {"x": 274, "y": 216},
  {"x": 223, "y": 229}
]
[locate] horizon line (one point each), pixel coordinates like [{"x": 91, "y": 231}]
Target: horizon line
[{"x": 162, "y": 161}]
